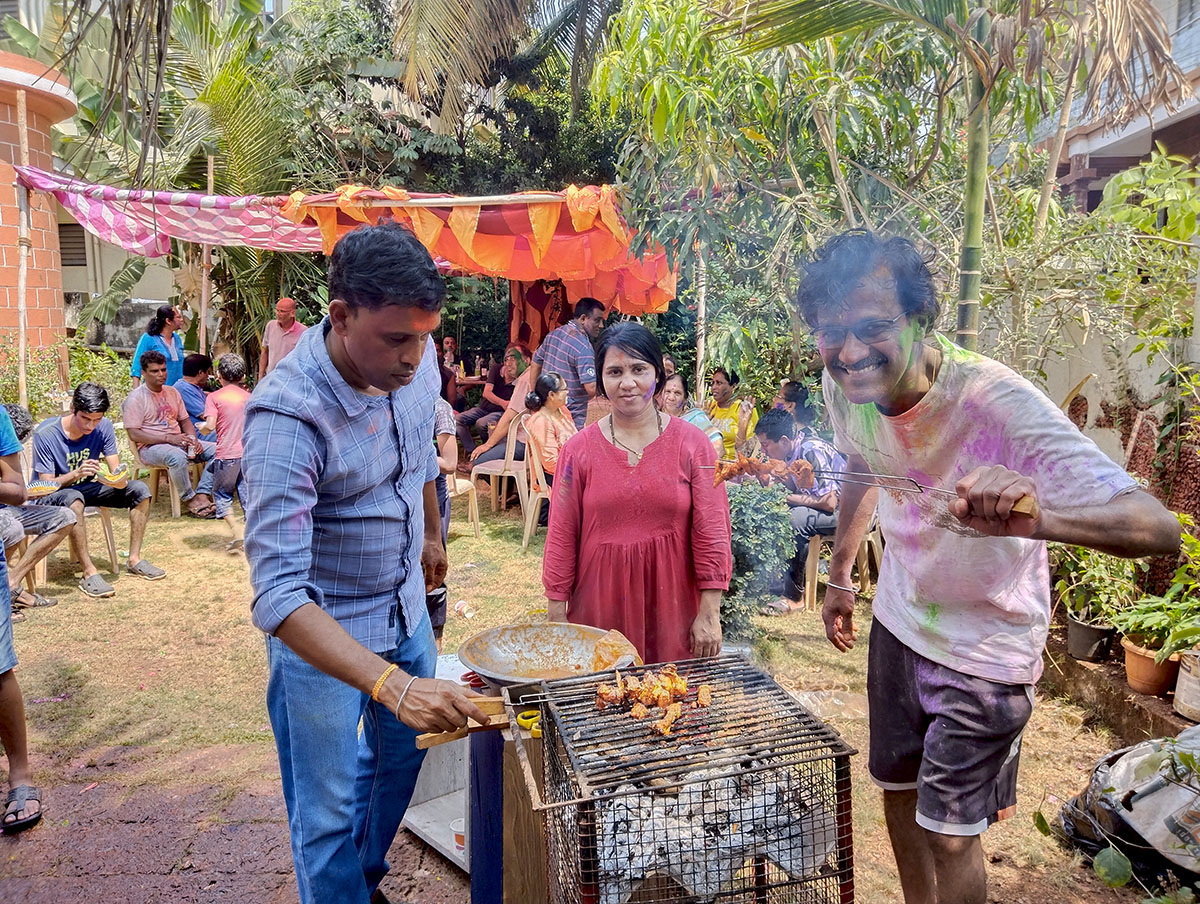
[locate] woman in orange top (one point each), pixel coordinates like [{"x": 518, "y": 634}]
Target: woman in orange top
[{"x": 550, "y": 425}]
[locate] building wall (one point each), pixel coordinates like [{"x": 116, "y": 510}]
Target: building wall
[{"x": 48, "y": 101}]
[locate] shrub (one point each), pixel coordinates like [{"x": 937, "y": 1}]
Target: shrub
[
  {"x": 103, "y": 366},
  {"x": 42, "y": 376},
  {"x": 763, "y": 543}
]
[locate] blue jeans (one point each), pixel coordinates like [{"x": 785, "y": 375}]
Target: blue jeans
[
  {"x": 175, "y": 460},
  {"x": 345, "y": 794}
]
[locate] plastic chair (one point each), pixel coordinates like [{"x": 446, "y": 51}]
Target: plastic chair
[
  {"x": 872, "y": 544},
  {"x": 533, "y": 507},
  {"x": 463, "y": 487},
  {"x": 38, "y": 576},
  {"x": 157, "y": 472},
  {"x": 496, "y": 471},
  {"x": 106, "y": 520}
]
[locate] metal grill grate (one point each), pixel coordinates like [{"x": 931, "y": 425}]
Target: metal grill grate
[{"x": 747, "y": 800}]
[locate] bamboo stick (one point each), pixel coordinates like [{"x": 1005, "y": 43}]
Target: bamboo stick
[
  {"x": 24, "y": 245},
  {"x": 205, "y": 276},
  {"x": 481, "y": 201}
]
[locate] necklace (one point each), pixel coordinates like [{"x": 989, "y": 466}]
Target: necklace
[{"x": 612, "y": 432}]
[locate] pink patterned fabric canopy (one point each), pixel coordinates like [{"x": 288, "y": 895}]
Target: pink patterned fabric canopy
[{"x": 144, "y": 222}]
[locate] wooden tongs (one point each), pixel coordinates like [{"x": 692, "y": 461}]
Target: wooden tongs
[{"x": 493, "y": 708}]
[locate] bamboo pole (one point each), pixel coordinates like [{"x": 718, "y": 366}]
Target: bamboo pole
[
  {"x": 205, "y": 276},
  {"x": 481, "y": 201},
  {"x": 701, "y": 322},
  {"x": 24, "y": 245}
]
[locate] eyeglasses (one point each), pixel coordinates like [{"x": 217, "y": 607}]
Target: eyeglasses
[{"x": 830, "y": 338}]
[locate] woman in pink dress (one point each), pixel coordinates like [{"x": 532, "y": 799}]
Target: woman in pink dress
[{"x": 640, "y": 537}]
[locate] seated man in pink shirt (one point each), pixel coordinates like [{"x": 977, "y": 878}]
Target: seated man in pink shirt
[
  {"x": 157, "y": 422},
  {"x": 225, "y": 412},
  {"x": 280, "y": 336}
]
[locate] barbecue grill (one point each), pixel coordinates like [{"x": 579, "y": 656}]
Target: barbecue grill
[{"x": 747, "y": 800}]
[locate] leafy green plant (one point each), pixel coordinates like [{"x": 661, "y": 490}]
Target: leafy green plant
[
  {"x": 1094, "y": 585},
  {"x": 103, "y": 366},
  {"x": 763, "y": 543},
  {"x": 1154, "y": 620},
  {"x": 43, "y": 377}
]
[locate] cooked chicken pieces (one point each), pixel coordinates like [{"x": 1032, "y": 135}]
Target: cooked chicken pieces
[
  {"x": 664, "y": 690},
  {"x": 663, "y": 725}
]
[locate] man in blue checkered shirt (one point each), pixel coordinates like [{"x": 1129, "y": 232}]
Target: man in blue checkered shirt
[
  {"x": 343, "y": 536},
  {"x": 568, "y": 351}
]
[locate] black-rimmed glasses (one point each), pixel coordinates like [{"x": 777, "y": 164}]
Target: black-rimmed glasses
[{"x": 868, "y": 332}]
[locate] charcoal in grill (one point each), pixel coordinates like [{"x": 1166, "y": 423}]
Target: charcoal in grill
[{"x": 746, "y": 800}]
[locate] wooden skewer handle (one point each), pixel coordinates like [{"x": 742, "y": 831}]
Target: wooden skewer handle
[
  {"x": 434, "y": 738},
  {"x": 1027, "y": 505}
]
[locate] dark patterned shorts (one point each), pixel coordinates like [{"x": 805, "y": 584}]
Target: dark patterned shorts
[{"x": 954, "y": 738}]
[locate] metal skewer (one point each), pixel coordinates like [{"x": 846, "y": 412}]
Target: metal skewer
[{"x": 1026, "y": 505}]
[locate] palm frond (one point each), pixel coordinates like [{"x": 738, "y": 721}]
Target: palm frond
[
  {"x": 450, "y": 46},
  {"x": 776, "y": 23},
  {"x": 1132, "y": 71}
]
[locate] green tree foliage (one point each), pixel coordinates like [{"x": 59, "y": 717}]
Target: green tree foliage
[
  {"x": 530, "y": 141},
  {"x": 763, "y": 543}
]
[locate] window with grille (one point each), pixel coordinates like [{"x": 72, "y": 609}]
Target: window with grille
[{"x": 72, "y": 243}]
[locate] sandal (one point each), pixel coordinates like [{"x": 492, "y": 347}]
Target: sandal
[
  {"x": 23, "y": 599},
  {"x": 15, "y": 616},
  {"x": 144, "y": 569},
  {"x": 779, "y": 607},
  {"x": 17, "y": 798}
]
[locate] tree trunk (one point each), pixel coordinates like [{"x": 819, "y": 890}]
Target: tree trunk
[
  {"x": 1193, "y": 345},
  {"x": 971, "y": 258},
  {"x": 1056, "y": 146}
]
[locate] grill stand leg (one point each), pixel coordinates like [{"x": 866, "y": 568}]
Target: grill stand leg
[
  {"x": 487, "y": 803},
  {"x": 845, "y": 829},
  {"x": 760, "y": 880}
]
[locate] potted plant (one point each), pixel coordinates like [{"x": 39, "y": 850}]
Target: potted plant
[
  {"x": 1092, "y": 586},
  {"x": 1155, "y": 632}
]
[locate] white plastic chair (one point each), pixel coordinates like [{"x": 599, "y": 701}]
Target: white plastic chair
[
  {"x": 872, "y": 544},
  {"x": 37, "y": 577},
  {"x": 463, "y": 487},
  {"x": 158, "y": 472},
  {"x": 533, "y": 507},
  {"x": 496, "y": 471}
]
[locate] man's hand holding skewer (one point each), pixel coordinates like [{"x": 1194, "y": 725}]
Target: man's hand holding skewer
[{"x": 986, "y": 498}]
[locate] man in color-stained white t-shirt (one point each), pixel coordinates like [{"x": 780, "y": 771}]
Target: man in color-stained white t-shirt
[{"x": 962, "y": 607}]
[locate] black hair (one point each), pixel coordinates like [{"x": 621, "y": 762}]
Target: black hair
[
  {"x": 687, "y": 390},
  {"x": 196, "y": 364},
  {"x": 22, "y": 420},
  {"x": 668, "y": 356},
  {"x": 547, "y": 382},
  {"x": 231, "y": 367},
  {"x": 731, "y": 376},
  {"x": 797, "y": 393},
  {"x": 374, "y": 266},
  {"x": 585, "y": 306},
  {"x": 151, "y": 357},
  {"x": 839, "y": 267},
  {"x": 164, "y": 313},
  {"x": 775, "y": 424},
  {"x": 635, "y": 340},
  {"x": 91, "y": 398}
]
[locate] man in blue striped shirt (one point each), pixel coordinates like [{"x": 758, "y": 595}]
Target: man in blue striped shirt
[
  {"x": 343, "y": 536},
  {"x": 568, "y": 351}
]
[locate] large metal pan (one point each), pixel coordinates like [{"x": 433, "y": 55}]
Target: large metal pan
[{"x": 515, "y": 654}]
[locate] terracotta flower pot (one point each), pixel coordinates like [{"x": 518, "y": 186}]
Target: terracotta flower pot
[{"x": 1144, "y": 674}]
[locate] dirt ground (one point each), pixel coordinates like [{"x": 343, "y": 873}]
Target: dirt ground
[{"x": 149, "y": 736}]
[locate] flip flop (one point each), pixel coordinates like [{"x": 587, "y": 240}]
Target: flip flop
[
  {"x": 777, "y": 608},
  {"x": 17, "y": 798},
  {"x": 23, "y": 599}
]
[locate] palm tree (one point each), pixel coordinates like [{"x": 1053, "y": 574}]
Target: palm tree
[{"x": 1131, "y": 71}]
